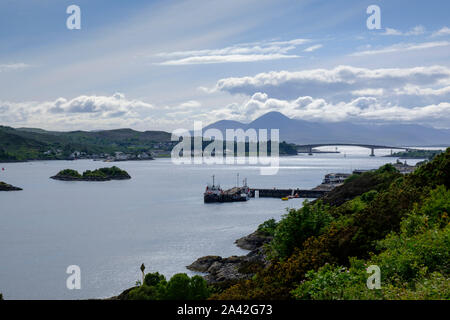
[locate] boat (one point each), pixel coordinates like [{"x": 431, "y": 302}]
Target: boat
[
  {"x": 285, "y": 198},
  {"x": 245, "y": 190},
  {"x": 213, "y": 193}
]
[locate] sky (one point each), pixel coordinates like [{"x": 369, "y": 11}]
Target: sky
[{"x": 161, "y": 65}]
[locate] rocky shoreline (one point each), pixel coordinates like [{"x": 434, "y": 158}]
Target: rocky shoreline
[
  {"x": 225, "y": 270},
  {"x": 7, "y": 187}
]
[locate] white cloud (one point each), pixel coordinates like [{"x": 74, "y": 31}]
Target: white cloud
[
  {"x": 190, "y": 104},
  {"x": 226, "y": 59},
  {"x": 359, "y": 109},
  {"x": 13, "y": 66},
  {"x": 418, "y": 91},
  {"x": 313, "y": 48},
  {"x": 368, "y": 92},
  {"x": 79, "y": 112},
  {"x": 444, "y": 31},
  {"x": 335, "y": 84},
  {"x": 392, "y": 32},
  {"x": 401, "y": 47},
  {"x": 417, "y": 30},
  {"x": 246, "y": 52},
  {"x": 346, "y": 93}
]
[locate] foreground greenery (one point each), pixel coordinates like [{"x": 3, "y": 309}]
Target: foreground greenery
[
  {"x": 399, "y": 223},
  {"x": 179, "y": 287}
]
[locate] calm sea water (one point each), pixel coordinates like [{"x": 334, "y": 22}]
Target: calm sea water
[{"x": 157, "y": 218}]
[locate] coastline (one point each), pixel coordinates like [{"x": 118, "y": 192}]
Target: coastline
[{"x": 219, "y": 271}]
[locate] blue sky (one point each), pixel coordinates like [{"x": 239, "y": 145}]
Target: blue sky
[{"x": 164, "y": 64}]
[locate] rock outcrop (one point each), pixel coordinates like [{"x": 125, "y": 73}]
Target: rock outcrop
[
  {"x": 253, "y": 241},
  {"x": 234, "y": 268},
  {"x": 7, "y": 187}
]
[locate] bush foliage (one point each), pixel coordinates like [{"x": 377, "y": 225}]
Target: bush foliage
[
  {"x": 179, "y": 287},
  {"x": 397, "y": 222}
]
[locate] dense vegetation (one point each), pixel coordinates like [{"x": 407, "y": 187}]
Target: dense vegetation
[
  {"x": 100, "y": 174},
  {"x": 417, "y": 154},
  {"x": 179, "y": 287},
  {"x": 399, "y": 223}
]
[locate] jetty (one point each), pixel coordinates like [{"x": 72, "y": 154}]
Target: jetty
[
  {"x": 214, "y": 193},
  {"x": 282, "y": 193}
]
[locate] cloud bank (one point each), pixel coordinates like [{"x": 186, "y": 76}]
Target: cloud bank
[
  {"x": 419, "y": 94},
  {"x": 246, "y": 52}
]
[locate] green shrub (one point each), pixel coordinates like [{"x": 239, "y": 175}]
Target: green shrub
[
  {"x": 179, "y": 287},
  {"x": 198, "y": 289},
  {"x": 298, "y": 225},
  {"x": 268, "y": 227},
  {"x": 145, "y": 292},
  {"x": 437, "y": 206},
  {"x": 153, "y": 279},
  {"x": 405, "y": 259},
  {"x": 369, "y": 196},
  {"x": 433, "y": 287},
  {"x": 70, "y": 173},
  {"x": 336, "y": 283}
]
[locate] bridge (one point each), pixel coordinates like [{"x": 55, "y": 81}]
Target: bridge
[{"x": 308, "y": 148}]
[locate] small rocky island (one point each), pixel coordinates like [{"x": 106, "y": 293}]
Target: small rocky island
[
  {"x": 102, "y": 174},
  {"x": 7, "y": 187}
]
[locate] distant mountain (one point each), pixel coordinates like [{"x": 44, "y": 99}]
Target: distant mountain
[{"x": 306, "y": 132}]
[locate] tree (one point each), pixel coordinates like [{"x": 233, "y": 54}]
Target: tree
[
  {"x": 178, "y": 287},
  {"x": 198, "y": 289}
]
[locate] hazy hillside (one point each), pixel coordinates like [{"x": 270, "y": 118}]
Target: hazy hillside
[
  {"x": 305, "y": 132},
  {"x": 31, "y": 143}
]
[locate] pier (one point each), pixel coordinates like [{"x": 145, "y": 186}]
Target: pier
[{"x": 281, "y": 193}]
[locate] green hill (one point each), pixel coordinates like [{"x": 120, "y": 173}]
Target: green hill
[{"x": 31, "y": 143}]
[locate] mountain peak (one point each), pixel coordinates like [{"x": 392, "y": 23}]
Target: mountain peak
[
  {"x": 271, "y": 119},
  {"x": 272, "y": 115}
]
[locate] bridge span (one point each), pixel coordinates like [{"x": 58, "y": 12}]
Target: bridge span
[{"x": 308, "y": 148}]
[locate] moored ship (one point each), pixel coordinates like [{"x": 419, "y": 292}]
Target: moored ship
[{"x": 214, "y": 193}]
